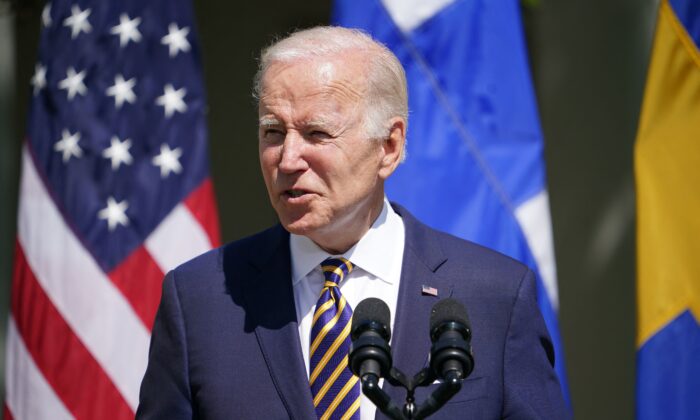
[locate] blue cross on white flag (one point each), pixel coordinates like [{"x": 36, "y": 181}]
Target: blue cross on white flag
[{"x": 475, "y": 166}]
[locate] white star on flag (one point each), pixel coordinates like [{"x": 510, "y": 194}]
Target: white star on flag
[
  {"x": 46, "y": 15},
  {"x": 168, "y": 160},
  {"x": 78, "y": 21},
  {"x": 118, "y": 152},
  {"x": 68, "y": 145},
  {"x": 39, "y": 78},
  {"x": 94, "y": 174},
  {"x": 122, "y": 90},
  {"x": 176, "y": 39},
  {"x": 171, "y": 100},
  {"x": 114, "y": 213},
  {"x": 73, "y": 83},
  {"x": 127, "y": 29}
]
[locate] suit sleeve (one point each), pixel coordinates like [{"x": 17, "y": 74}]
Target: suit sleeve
[
  {"x": 531, "y": 387},
  {"x": 165, "y": 391}
]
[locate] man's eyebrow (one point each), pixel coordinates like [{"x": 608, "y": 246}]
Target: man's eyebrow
[
  {"x": 268, "y": 121},
  {"x": 319, "y": 123}
]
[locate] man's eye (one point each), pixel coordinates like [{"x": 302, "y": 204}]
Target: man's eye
[
  {"x": 319, "y": 134},
  {"x": 272, "y": 133}
]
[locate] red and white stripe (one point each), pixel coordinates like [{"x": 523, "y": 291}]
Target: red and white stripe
[{"x": 78, "y": 337}]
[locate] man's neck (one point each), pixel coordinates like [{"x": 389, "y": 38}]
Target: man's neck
[{"x": 345, "y": 237}]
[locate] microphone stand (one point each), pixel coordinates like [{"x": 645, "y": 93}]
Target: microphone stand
[
  {"x": 447, "y": 389},
  {"x": 370, "y": 387}
]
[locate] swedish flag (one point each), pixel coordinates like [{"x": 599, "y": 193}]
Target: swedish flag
[{"x": 667, "y": 167}]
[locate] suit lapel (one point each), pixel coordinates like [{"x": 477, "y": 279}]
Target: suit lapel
[
  {"x": 422, "y": 258},
  {"x": 270, "y": 303}
]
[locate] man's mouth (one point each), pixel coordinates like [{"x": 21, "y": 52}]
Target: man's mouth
[{"x": 294, "y": 193}]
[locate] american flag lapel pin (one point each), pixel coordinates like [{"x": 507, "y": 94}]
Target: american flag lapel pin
[{"x": 429, "y": 290}]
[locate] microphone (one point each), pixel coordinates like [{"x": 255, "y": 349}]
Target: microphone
[
  {"x": 370, "y": 334},
  {"x": 451, "y": 354},
  {"x": 370, "y": 355}
]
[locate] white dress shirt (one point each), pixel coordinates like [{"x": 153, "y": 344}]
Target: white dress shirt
[{"x": 377, "y": 260}]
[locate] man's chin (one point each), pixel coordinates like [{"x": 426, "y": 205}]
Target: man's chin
[{"x": 301, "y": 226}]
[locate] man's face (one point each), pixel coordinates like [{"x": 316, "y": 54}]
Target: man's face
[{"x": 323, "y": 175}]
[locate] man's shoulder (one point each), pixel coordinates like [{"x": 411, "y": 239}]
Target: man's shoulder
[
  {"x": 476, "y": 255},
  {"x": 250, "y": 250},
  {"x": 420, "y": 235},
  {"x": 480, "y": 269}
]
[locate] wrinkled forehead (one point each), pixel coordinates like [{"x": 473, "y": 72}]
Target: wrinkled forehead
[{"x": 340, "y": 74}]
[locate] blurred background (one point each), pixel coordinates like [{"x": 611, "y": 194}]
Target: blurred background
[{"x": 588, "y": 60}]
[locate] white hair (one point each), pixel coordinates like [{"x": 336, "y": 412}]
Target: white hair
[{"x": 387, "y": 95}]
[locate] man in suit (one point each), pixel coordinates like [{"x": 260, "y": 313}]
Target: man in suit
[{"x": 259, "y": 327}]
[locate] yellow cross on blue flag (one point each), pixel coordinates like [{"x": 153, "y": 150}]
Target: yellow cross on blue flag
[{"x": 667, "y": 169}]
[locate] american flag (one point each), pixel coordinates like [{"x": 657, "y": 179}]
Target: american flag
[
  {"x": 115, "y": 191},
  {"x": 429, "y": 290}
]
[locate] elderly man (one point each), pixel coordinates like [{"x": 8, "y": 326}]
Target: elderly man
[{"x": 259, "y": 328}]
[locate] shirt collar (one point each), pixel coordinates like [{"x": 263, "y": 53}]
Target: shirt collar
[{"x": 373, "y": 253}]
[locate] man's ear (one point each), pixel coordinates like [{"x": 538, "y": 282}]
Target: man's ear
[{"x": 393, "y": 147}]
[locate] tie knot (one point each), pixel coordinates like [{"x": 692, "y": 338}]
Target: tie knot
[{"x": 335, "y": 269}]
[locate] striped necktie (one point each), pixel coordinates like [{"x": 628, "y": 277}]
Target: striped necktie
[{"x": 336, "y": 391}]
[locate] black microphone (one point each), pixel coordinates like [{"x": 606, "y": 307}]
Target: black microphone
[
  {"x": 370, "y": 334},
  {"x": 451, "y": 353},
  {"x": 370, "y": 355}
]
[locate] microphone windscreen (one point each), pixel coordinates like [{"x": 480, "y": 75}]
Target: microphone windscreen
[
  {"x": 448, "y": 310},
  {"x": 371, "y": 309}
]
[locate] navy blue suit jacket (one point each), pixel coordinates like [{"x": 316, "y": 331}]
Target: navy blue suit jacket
[{"x": 225, "y": 342}]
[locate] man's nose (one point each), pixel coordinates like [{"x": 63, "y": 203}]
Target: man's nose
[{"x": 292, "y": 159}]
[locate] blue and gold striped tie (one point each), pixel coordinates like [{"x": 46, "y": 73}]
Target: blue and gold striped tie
[{"x": 336, "y": 391}]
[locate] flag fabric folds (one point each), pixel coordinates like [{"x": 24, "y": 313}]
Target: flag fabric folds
[
  {"x": 667, "y": 171},
  {"x": 475, "y": 161},
  {"x": 114, "y": 192}
]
